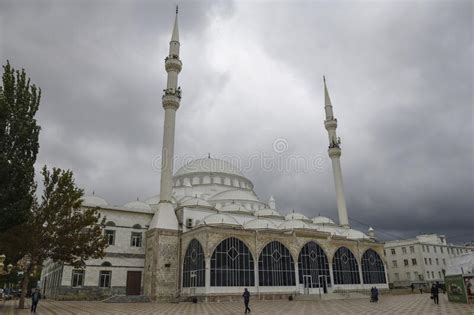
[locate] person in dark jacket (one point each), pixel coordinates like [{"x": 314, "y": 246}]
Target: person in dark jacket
[
  {"x": 35, "y": 297},
  {"x": 435, "y": 294},
  {"x": 412, "y": 287},
  {"x": 246, "y": 296}
]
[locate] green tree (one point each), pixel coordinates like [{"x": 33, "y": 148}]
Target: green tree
[
  {"x": 58, "y": 228},
  {"x": 19, "y": 102}
]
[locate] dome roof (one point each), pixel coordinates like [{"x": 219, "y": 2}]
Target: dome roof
[
  {"x": 94, "y": 201},
  {"x": 235, "y": 194},
  {"x": 266, "y": 212},
  {"x": 208, "y": 165},
  {"x": 234, "y": 207},
  {"x": 219, "y": 219},
  {"x": 295, "y": 216},
  {"x": 137, "y": 205},
  {"x": 156, "y": 199},
  {"x": 293, "y": 224},
  {"x": 354, "y": 234},
  {"x": 192, "y": 202},
  {"x": 257, "y": 224},
  {"x": 322, "y": 220}
]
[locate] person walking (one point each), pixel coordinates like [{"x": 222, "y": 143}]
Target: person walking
[
  {"x": 35, "y": 297},
  {"x": 412, "y": 287},
  {"x": 246, "y": 296},
  {"x": 435, "y": 293}
]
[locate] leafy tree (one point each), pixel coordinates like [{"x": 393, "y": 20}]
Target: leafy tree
[
  {"x": 19, "y": 102},
  {"x": 58, "y": 228}
]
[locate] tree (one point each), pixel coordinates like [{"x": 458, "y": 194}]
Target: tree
[
  {"x": 58, "y": 228},
  {"x": 19, "y": 102}
]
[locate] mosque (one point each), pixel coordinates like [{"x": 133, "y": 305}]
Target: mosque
[{"x": 208, "y": 236}]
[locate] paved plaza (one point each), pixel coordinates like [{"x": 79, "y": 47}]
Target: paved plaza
[{"x": 402, "y": 304}]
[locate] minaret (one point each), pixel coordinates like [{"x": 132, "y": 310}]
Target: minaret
[
  {"x": 165, "y": 217},
  {"x": 161, "y": 272},
  {"x": 335, "y": 154}
]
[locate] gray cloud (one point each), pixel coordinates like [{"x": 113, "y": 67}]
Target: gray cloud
[{"x": 399, "y": 74}]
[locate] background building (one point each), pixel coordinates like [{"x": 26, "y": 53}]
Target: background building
[{"x": 422, "y": 260}]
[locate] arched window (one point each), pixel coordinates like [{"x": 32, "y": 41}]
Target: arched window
[
  {"x": 106, "y": 264},
  {"x": 232, "y": 265},
  {"x": 345, "y": 267},
  {"x": 110, "y": 223},
  {"x": 137, "y": 226},
  {"x": 373, "y": 270},
  {"x": 194, "y": 267},
  {"x": 313, "y": 266},
  {"x": 276, "y": 266}
]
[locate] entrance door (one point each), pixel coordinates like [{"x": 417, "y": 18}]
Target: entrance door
[
  {"x": 134, "y": 281},
  {"x": 308, "y": 283}
]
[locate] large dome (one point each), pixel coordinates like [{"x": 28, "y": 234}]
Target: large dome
[{"x": 208, "y": 165}]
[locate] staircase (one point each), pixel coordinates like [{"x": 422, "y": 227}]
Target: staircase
[{"x": 127, "y": 299}]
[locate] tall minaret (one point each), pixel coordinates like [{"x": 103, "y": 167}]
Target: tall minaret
[
  {"x": 165, "y": 217},
  {"x": 161, "y": 272},
  {"x": 335, "y": 154}
]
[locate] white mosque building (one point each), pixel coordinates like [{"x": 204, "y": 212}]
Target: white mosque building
[{"x": 208, "y": 235}]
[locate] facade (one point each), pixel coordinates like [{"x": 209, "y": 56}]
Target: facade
[
  {"x": 422, "y": 260},
  {"x": 208, "y": 235}
]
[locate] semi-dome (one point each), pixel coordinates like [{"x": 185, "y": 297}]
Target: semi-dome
[
  {"x": 193, "y": 202},
  {"x": 295, "y": 216},
  {"x": 293, "y": 224},
  {"x": 235, "y": 208},
  {"x": 235, "y": 194},
  {"x": 259, "y": 224},
  {"x": 266, "y": 212},
  {"x": 137, "y": 205},
  {"x": 93, "y": 201},
  {"x": 322, "y": 220},
  {"x": 219, "y": 219},
  {"x": 208, "y": 165}
]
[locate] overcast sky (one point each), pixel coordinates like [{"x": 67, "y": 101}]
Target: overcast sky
[{"x": 400, "y": 76}]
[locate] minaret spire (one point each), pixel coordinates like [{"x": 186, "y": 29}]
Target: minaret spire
[
  {"x": 165, "y": 217},
  {"x": 334, "y": 152}
]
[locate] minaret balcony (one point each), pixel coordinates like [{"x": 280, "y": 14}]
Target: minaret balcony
[
  {"x": 334, "y": 152},
  {"x": 170, "y": 101},
  {"x": 330, "y": 124},
  {"x": 173, "y": 63}
]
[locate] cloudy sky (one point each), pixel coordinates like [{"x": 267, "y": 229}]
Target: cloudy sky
[{"x": 400, "y": 75}]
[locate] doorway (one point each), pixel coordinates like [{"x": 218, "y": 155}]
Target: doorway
[
  {"x": 134, "y": 281},
  {"x": 307, "y": 283}
]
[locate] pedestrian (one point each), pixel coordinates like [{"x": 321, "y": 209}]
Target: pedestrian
[
  {"x": 372, "y": 295},
  {"x": 376, "y": 295},
  {"x": 421, "y": 289},
  {"x": 246, "y": 296},
  {"x": 35, "y": 297},
  {"x": 412, "y": 287},
  {"x": 435, "y": 293}
]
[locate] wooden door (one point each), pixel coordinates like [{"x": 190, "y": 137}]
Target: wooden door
[{"x": 134, "y": 281}]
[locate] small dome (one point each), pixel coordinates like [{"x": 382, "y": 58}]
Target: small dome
[
  {"x": 266, "y": 212},
  {"x": 208, "y": 165},
  {"x": 94, "y": 201},
  {"x": 219, "y": 219},
  {"x": 293, "y": 224},
  {"x": 235, "y": 194},
  {"x": 295, "y": 216},
  {"x": 235, "y": 207},
  {"x": 193, "y": 202},
  {"x": 322, "y": 220},
  {"x": 154, "y": 200},
  {"x": 258, "y": 224},
  {"x": 137, "y": 205},
  {"x": 353, "y": 234},
  {"x": 371, "y": 229}
]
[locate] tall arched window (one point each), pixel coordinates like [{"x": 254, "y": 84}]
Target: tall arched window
[
  {"x": 232, "y": 265},
  {"x": 194, "y": 268},
  {"x": 373, "y": 270},
  {"x": 276, "y": 266},
  {"x": 345, "y": 267},
  {"x": 313, "y": 266}
]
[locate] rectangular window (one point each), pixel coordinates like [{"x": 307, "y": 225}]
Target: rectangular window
[
  {"x": 412, "y": 249},
  {"x": 441, "y": 248},
  {"x": 394, "y": 262},
  {"x": 405, "y": 262},
  {"x": 423, "y": 248},
  {"x": 104, "y": 279},
  {"x": 136, "y": 239},
  {"x": 426, "y": 261},
  {"x": 77, "y": 278},
  {"x": 434, "y": 248},
  {"x": 408, "y": 276},
  {"x": 427, "y": 249},
  {"x": 415, "y": 273},
  {"x": 393, "y": 251},
  {"x": 413, "y": 261},
  {"x": 439, "y": 274},
  {"x": 432, "y": 275},
  {"x": 427, "y": 275},
  {"x": 430, "y": 261},
  {"x": 404, "y": 250},
  {"x": 437, "y": 261},
  {"x": 444, "y": 261},
  {"x": 110, "y": 235}
]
